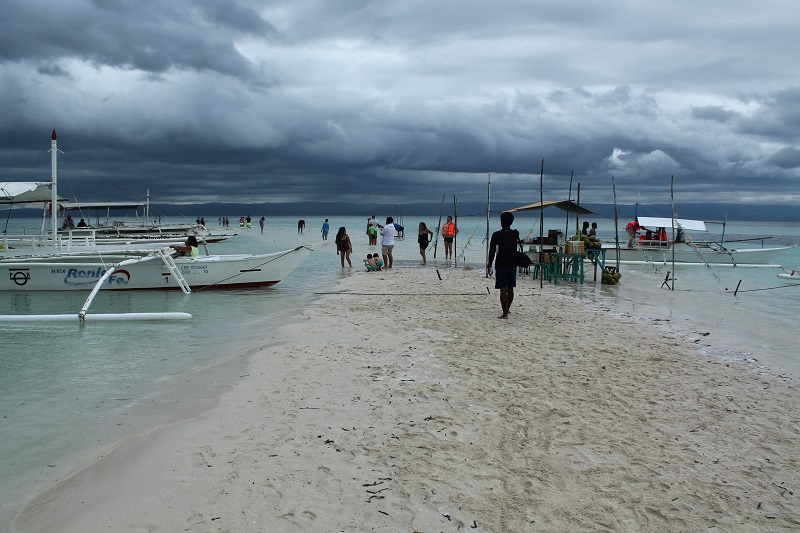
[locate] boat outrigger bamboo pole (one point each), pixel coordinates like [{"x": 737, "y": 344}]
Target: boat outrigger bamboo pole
[
  {"x": 99, "y": 285},
  {"x": 488, "y": 211}
]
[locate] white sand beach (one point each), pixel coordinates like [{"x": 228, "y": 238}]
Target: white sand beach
[{"x": 399, "y": 402}]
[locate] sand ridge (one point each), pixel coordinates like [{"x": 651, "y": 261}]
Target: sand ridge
[{"x": 400, "y": 403}]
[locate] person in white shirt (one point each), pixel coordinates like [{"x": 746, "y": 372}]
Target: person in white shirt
[{"x": 387, "y": 241}]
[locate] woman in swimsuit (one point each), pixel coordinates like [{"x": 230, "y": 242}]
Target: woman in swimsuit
[
  {"x": 423, "y": 240},
  {"x": 343, "y": 246}
]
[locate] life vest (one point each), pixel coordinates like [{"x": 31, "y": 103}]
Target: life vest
[
  {"x": 662, "y": 235},
  {"x": 449, "y": 229}
]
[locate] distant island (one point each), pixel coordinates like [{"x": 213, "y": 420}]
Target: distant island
[{"x": 700, "y": 211}]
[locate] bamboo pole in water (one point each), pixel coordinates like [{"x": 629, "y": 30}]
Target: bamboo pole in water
[
  {"x": 541, "y": 218},
  {"x": 455, "y": 237},
  {"x": 672, "y": 201},
  {"x": 488, "y": 211},
  {"x": 616, "y": 219},
  {"x": 438, "y": 228},
  {"x": 569, "y": 199}
]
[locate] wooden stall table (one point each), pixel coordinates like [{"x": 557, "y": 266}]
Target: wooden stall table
[
  {"x": 566, "y": 266},
  {"x": 598, "y": 258}
]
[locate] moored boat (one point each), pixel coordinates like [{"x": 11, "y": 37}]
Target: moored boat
[
  {"x": 146, "y": 270},
  {"x": 655, "y": 245},
  {"x": 78, "y": 260}
]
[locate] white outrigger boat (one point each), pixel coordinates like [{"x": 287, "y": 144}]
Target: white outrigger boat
[
  {"x": 685, "y": 250},
  {"x": 140, "y": 227},
  {"x": 56, "y": 263},
  {"x": 146, "y": 270}
]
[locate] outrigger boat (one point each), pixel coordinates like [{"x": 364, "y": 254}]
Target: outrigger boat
[
  {"x": 790, "y": 274},
  {"x": 51, "y": 262},
  {"x": 146, "y": 270},
  {"x": 656, "y": 246},
  {"x": 138, "y": 228}
]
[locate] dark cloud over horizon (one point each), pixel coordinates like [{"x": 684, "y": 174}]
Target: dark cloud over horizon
[{"x": 399, "y": 102}]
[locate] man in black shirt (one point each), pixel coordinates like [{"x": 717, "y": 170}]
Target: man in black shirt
[{"x": 504, "y": 244}]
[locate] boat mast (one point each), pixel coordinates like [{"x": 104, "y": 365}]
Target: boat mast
[{"x": 54, "y": 187}]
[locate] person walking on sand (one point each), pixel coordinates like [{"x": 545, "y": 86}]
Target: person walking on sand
[
  {"x": 504, "y": 245},
  {"x": 325, "y": 229},
  {"x": 343, "y": 246},
  {"x": 423, "y": 240},
  {"x": 449, "y": 232},
  {"x": 387, "y": 241}
]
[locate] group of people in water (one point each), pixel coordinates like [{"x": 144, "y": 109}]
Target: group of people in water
[{"x": 388, "y": 233}]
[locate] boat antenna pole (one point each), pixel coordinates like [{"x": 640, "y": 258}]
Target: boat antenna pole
[
  {"x": 54, "y": 187},
  {"x": 488, "y": 211},
  {"x": 541, "y": 216}
]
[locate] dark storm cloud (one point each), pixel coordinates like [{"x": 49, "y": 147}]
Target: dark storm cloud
[
  {"x": 149, "y": 35},
  {"x": 379, "y": 101}
]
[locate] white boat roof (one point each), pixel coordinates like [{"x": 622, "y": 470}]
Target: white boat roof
[
  {"x": 664, "y": 222},
  {"x": 18, "y": 192},
  {"x": 102, "y": 205}
]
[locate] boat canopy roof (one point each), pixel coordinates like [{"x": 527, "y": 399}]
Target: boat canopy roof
[
  {"x": 565, "y": 205},
  {"x": 664, "y": 222},
  {"x": 69, "y": 206},
  {"x": 21, "y": 192}
]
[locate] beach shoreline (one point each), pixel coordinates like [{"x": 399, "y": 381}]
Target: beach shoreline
[{"x": 399, "y": 402}]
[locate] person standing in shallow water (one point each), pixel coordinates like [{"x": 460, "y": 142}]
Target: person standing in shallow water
[
  {"x": 423, "y": 240},
  {"x": 325, "y": 228},
  {"x": 449, "y": 232},
  {"x": 504, "y": 245},
  {"x": 387, "y": 241},
  {"x": 343, "y": 246}
]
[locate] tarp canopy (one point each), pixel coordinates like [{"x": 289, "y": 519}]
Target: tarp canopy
[
  {"x": 21, "y": 192},
  {"x": 565, "y": 205},
  {"x": 665, "y": 222}
]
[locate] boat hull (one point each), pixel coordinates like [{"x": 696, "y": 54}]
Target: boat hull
[
  {"x": 686, "y": 254},
  {"x": 82, "y": 272}
]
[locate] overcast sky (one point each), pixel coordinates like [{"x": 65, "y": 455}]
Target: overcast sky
[{"x": 401, "y": 101}]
